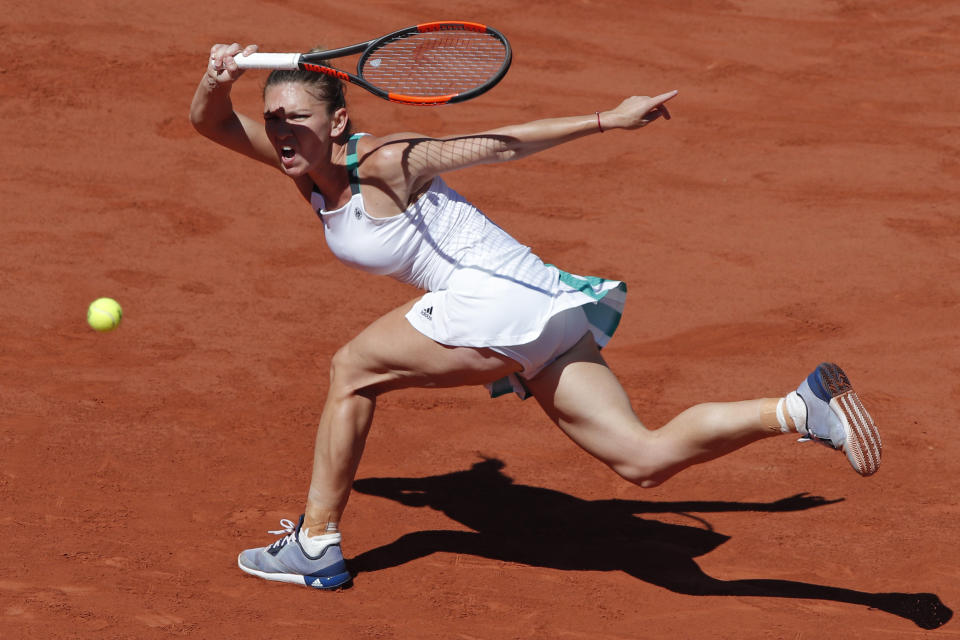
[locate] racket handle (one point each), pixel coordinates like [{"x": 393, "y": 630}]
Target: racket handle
[{"x": 268, "y": 60}]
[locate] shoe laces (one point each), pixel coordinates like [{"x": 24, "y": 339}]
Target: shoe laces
[{"x": 289, "y": 528}]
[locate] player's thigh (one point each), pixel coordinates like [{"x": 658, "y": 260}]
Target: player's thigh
[
  {"x": 586, "y": 400},
  {"x": 391, "y": 354}
]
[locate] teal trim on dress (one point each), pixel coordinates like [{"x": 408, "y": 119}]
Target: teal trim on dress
[
  {"x": 501, "y": 387},
  {"x": 583, "y": 284},
  {"x": 603, "y": 318},
  {"x": 353, "y": 163}
]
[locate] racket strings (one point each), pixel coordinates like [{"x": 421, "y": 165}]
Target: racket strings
[{"x": 435, "y": 64}]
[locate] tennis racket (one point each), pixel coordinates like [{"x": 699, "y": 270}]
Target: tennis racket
[{"x": 427, "y": 64}]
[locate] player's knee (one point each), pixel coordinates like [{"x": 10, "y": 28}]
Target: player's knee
[
  {"x": 643, "y": 473},
  {"x": 353, "y": 374},
  {"x": 346, "y": 371}
]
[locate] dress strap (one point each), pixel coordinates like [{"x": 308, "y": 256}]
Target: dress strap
[{"x": 353, "y": 162}]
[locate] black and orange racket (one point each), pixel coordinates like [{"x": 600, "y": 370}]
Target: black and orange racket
[{"x": 427, "y": 64}]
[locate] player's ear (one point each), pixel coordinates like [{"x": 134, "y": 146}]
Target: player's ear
[{"x": 339, "y": 122}]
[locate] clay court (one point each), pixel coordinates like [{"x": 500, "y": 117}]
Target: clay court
[{"x": 800, "y": 206}]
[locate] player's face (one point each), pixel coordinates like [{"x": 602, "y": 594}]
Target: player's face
[{"x": 299, "y": 126}]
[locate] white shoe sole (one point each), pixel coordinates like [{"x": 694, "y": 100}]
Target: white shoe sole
[
  {"x": 863, "y": 446},
  {"x": 331, "y": 582}
]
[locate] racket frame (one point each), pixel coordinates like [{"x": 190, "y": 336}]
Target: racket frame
[{"x": 312, "y": 62}]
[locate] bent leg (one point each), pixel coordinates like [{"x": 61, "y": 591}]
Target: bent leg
[
  {"x": 389, "y": 354},
  {"x": 585, "y": 399}
]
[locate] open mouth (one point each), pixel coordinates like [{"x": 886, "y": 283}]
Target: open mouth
[{"x": 286, "y": 152}]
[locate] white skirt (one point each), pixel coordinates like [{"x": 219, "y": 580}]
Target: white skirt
[{"x": 483, "y": 309}]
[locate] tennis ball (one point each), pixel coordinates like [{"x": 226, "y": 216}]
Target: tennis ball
[{"x": 104, "y": 314}]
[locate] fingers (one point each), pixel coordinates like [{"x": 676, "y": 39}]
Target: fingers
[
  {"x": 657, "y": 108},
  {"x": 663, "y": 97},
  {"x": 222, "y": 54},
  {"x": 222, "y": 67}
]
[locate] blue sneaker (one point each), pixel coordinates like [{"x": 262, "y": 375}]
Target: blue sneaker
[
  {"x": 286, "y": 561},
  {"x": 825, "y": 408}
]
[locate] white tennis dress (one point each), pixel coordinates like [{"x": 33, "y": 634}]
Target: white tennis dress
[{"x": 484, "y": 289}]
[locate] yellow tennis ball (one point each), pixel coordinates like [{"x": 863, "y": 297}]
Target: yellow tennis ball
[{"x": 104, "y": 314}]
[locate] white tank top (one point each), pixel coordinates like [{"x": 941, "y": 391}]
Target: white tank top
[{"x": 425, "y": 244}]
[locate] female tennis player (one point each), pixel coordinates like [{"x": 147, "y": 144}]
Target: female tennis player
[{"x": 492, "y": 313}]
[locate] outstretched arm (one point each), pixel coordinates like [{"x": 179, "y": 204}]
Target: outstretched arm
[
  {"x": 423, "y": 158},
  {"x": 212, "y": 114},
  {"x": 519, "y": 141}
]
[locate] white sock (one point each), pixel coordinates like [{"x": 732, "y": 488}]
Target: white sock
[
  {"x": 314, "y": 545},
  {"x": 784, "y": 427},
  {"x": 792, "y": 405}
]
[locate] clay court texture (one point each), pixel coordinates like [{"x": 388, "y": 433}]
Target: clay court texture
[{"x": 800, "y": 206}]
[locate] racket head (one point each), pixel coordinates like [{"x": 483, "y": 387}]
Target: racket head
[{"x": 436, "y": 62}]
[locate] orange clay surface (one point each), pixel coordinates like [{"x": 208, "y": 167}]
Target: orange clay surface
[{"x": 800, "y": 206}]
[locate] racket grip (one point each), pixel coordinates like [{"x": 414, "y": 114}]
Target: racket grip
[{"x": 268, "y": 60}]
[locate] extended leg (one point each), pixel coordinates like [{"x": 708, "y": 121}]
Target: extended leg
[
  {"x": 389, "y": 354},
  {"x": 585, "y": 399}
]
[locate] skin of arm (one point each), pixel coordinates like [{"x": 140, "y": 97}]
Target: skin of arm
[
  {"x": 212, "y": 114},
  {"x": 398, "y": 168},
  {"x": 408, "y": 162}
]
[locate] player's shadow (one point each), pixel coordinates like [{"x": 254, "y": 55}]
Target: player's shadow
[{"x": 545, "y": 528}]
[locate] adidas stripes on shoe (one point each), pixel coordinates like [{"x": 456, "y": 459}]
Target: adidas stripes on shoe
[
  {"x": 825, "y": 408},
  {"x": 286, "y": 560}
]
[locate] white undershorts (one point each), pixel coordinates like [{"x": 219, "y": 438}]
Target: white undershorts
[
  {"x": 533, "y": 325},
  {"x": 559, "y": 335}
]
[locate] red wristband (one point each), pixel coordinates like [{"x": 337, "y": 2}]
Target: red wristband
[{"x": 599, "y": 126}]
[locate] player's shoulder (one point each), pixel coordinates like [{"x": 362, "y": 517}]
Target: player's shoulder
[
  {"x": 384, "y": 152},
  {"x": 367, "y": 143}
]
